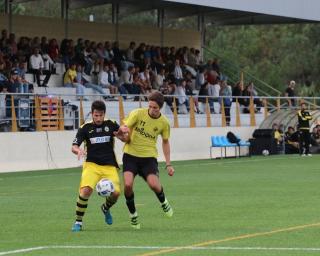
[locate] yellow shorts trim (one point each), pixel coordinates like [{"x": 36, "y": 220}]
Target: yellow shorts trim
[{"x": 92, "y": 173}]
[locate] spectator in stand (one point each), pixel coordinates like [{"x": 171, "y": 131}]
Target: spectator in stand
[
  {"x": 69, "y": 80},
  {"x": 238, "y": 90},
  {"x": 192, "y": 58},
  {"x": 16, "y": 84},
  {"x": 291, "y": 138},
  {"x": 168, "y": 89},
  {"x": 145, "y": 78},
  {"x": 108, "y": 51},
  {"x": 159, "y": 79},
  {"x": 4, "y": 38},
  {"x": 215, "y": 66},
  {"x": 113, "y": 76},
  {"x": 178, "y": 75},
  {"x": 35, "y": 43},
  {"x": 44, "y": 46},
  {"x": 252, "y": 92},
  {"x": 201, "y": 77},
  {"x": 126, "y": 83},
  {"x": 289, "y": 92},
  {"x": 102, "y": 57},
  {"x": 21, "y": 68},
  {"x": 37, "y": 66},
  {"x": 189, "y": 92},
  {"x": 214, "y": 91},
  {"x": 12, "y": 46},
  {"x": 104, "y": 80},
  {"x": 226, "y": 91},
  {"x": 85, "y": 80},
  {"x": 130, "y": 52},
  {"x": 203, "y": 94},
  {"x": 198, "y": 57},
  {"x": 182, "y": 97},
  {"x": 53, "y": 50}
]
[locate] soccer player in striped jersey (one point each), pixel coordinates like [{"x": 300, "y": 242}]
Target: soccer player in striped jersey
[
  {"x": 140, "y": 153},
  {"x": 100, "y": 162}
]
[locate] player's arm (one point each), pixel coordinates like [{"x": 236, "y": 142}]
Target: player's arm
[
  {"x": 123, "y": 133},
  {"x": 166, "y": 153},
  {"x": 76, "y": 144}
]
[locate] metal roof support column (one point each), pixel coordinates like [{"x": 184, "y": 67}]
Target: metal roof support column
[
  {"x": 8, "y": 11},
  {"x": 65, "y": 16},
  {"x": 202, "y": 30},
  {"x": 115, "y": 19},
  {"x": 161, "y": 25}
]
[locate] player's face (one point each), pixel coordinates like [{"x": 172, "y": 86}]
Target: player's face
[
  {"x": 154, "y": 109},
  {"x": 98, "y": 116}
]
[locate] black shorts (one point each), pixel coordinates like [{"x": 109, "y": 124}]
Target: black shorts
[{"x": 140, "y": 165}]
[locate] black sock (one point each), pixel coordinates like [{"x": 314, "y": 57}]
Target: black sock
[
  {"x": 161, "y": 196},
  {"x": 130, "y": 203},
  {"x": 109, "y": 202}
]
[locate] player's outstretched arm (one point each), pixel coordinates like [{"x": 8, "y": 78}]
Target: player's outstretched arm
[
  {"x": 78, "y": 151},
  {"x": 166, "y": 152}
]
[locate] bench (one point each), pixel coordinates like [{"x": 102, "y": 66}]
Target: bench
[{"x": 223, "y": 143}]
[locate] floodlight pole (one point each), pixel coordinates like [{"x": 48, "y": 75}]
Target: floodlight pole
[
  {"x": 115, "y": 19},
  {"x": 161, "y": 25},
  {"x": 65, "y": 16}
]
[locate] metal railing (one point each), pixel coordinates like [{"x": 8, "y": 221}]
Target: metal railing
[{"x": 34, "y": 112}]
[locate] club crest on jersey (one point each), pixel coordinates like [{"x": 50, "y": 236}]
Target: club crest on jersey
[
  {"x": 106, "y": 129},
  {"x": 155, "y": 129}
]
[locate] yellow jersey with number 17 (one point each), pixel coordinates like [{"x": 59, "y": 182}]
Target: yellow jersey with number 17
[{"x": 144, "y": 133}]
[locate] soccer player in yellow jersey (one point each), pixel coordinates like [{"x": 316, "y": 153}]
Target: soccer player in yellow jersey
[
  {"x": 140, "y": 152},
  {"x": 100, "y": 160}
]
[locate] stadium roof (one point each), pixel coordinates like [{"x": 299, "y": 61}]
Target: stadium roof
[{"x": 220, "y": 12}]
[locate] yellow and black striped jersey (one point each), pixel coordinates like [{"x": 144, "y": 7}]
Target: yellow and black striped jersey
[{"x": 99, "y": 141}]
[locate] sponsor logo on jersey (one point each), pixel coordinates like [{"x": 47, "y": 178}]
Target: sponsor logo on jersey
[
  {"x": 99, "y": 130},
  {"x": 91, "y": 131},
  {"x": 144, "y": 133},
  {"x": 97, "y": 140}
]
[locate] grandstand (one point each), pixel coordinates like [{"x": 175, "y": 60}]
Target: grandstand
[{"x": 154, "y": 48}]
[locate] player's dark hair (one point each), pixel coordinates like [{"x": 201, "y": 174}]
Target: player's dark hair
[
  {"x": 157, "y": 97},
  {"x": 98, "y": 105}
]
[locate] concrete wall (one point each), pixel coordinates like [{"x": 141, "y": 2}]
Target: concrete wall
[
  {"x": 52, "y": 150},
  {"x": 54, "y": 28}
]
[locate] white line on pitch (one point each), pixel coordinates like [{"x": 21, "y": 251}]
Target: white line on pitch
[{"x": 159, "y": 247}]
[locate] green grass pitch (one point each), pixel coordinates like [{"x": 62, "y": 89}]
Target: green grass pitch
[{"x": 248, "y": 206}]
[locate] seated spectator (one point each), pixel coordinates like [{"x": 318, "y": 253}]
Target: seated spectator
[
  {"x": 203, "y": 94},
  {"x": 69, "y": 80},
  {"x": 83, "y": 79},
  {"x": 278, "y": 135},
  {"x": 189, "y": 92},
  {"x": 168, "y": 89},
  {"x": 252, "y": 92},
  {"x": 291, "y": 141},
  {"x": 37, "y": 66},
  {"x": 145, "y": 80},
  {"x": 16, "y": 84},
  {"x": 104, "y": 80},
  {"x": 126, "y": 83},
  {"x": 160, "y": 77},
  {"x": 113, "y": 76},
  {"x": 183, "y": 99},
  {"x": 238, "y": 90}
]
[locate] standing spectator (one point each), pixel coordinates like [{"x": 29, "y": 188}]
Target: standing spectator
[
  {"x": 289, "y": 92},
  {"x": 304, "y": 129},
  {"x": 178, "y": 75},
  {"x": 130, "y": 52},
  {"x": 226, "y": 91}
]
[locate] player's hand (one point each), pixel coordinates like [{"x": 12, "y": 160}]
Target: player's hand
[
  {"x": 170, "y": 170},
  {"x": 81, "y": 153}
]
